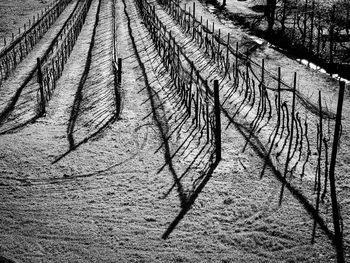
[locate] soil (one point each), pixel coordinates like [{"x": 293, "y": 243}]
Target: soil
[{"x": 83, "y": 185}]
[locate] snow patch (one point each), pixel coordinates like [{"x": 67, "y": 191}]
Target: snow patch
[{"x": 320, "y": 69}]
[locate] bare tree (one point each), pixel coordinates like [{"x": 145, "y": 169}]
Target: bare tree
[{"x": 270, "y": 14}]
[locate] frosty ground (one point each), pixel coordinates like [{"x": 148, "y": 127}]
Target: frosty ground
[{"x": 107, "y": 199}]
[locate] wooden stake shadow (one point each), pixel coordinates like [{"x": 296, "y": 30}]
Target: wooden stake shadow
[
  {"x": 73, "y": 147},
  {"x": 186, "y": 206},
  {"x": 260, "y": 150}
]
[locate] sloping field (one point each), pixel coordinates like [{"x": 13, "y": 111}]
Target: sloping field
[{"x": 85, "y": 182}]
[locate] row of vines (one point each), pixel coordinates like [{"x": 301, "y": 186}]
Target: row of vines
[
  {"x": 299, "y": 131},
  {"x": 19, "y": 48},
  {"x": 51, "y": 65},
  {"x": 117, "y": 64},
  {"x": 193, "y": 90},
  {"x": 197, "y": 113}
]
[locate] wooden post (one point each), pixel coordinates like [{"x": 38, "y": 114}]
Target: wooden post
[
  {"x": 201, "y": 33},
  {"x": 318, "y": 178},
  {"x": 227, "y": 53},
  {"x": 262, "y": 73},
  {"x": 279, "y": 96},
  {"x": 200, "y": 102},
  {"x": 193, "y": 21},
  {"x": 20, "y": 51},
  {"x": 207, "y": 110},
  {"x": 304, "y": 22},
  {"x": 178, "y": 61},
  {"x": 219, "y": 44},
  {"x": 41, "y": 88},
  {"x": 189, "y": 19},
  {"x": 119, "y": 70},
  {"x": 197, "y": 99},
  {"x": 237, "y": 71},
  {"x": 217, "y": 121},
  {"x": 194, "y": 11},
  {"x": 212, "y": 42},
  {"x": 190, "y": 90},
  {"x": 338, "y": 237},
  {"x": 246, "y": 81},
  {"x": 206, "y": 36}
]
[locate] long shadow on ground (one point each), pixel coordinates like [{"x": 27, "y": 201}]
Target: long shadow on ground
[
  {"x": 78, "y": 107},
  {"x": 187, "y": 199}
]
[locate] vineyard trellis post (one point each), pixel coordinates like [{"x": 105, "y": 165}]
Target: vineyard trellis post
[
  {"x": 317, "y": 186},
  {"x": 120, "y": 64},
  {"x": 194, "y": 19},
  {"x": 41, "y": 88},
  {"x": 338, "y": 237},
  {"x": 279, "y": 97},
  {"x": 217, "y": 121},
  {"x": 227, "y": 53}
]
